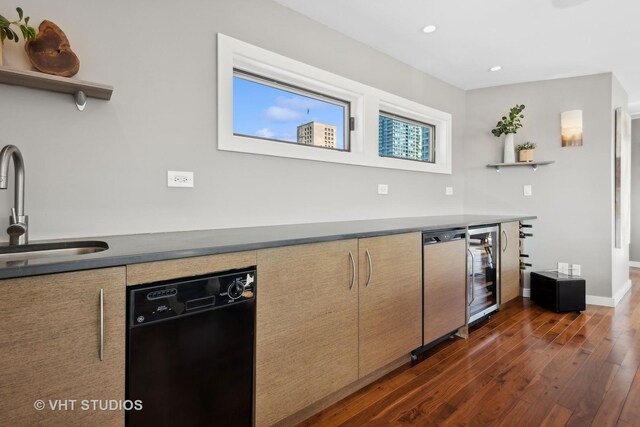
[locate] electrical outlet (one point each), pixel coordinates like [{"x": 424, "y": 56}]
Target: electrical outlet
[
  {"x": 179, "y": 179},
  {"x": 527, "y": 190},
  {"x": 448, "y": 191},
  {"x": 383, "y": 189}
]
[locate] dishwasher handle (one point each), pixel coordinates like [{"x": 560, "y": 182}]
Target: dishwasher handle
[{"x": 443, "y": 236}]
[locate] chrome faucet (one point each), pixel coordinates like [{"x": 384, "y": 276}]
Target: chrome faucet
[{"x": 18, "y": 221}]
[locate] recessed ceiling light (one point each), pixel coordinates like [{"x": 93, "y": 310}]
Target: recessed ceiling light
[
  {"x": 496, "y": 68},
  {"x": 429, "y": 29}
]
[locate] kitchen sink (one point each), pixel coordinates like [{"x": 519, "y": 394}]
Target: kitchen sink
[{"x": 18, "y": 254}]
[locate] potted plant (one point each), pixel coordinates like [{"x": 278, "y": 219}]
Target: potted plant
[
  {"x": 508, "y": 126},
  {"x": 6, "y": 32},
  {"x": 525, "y": 151}
]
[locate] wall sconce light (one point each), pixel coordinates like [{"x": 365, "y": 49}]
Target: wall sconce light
[{"x": 571, "y": 123}]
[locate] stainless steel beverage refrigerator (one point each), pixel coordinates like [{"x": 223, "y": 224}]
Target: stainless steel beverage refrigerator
[{"x": 483, "y": 258}]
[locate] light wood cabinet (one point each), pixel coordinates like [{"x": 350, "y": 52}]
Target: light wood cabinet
[
  {"x": 390, "y": 307},
  {"x": 509, "y": 261},
  {"x": 307, "y": 326},
  {"x": 50, "y": 347},
  {"x": 445, "y": 308},
  {"x": 331, "y": 313}
]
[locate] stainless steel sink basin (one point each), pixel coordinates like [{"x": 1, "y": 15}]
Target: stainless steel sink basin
[{"x": 16, "y": 255}]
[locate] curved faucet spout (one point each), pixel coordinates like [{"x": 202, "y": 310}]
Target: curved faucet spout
[
  {"x": 12, "y": 152},
  {"x": 18, "y": 222}
]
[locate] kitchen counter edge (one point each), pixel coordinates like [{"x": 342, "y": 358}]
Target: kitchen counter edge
[{"x": 141, "y": 248}]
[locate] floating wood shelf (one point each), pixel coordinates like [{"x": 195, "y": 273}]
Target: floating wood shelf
[
  {"x": 534, "y": 165},
  {"x": 78, "y": 88}
]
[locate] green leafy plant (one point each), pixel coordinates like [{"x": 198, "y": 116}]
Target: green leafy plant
[
  {"x": 6, "y": 32},
  {"x": 510, "y": 123},
  {"x": 526, "y": 146}
]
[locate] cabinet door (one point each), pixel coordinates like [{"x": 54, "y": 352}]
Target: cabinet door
[
  {"x": 50, "y": 344},
  {"x": 306, "y": 327},
  {"x": 509, "y": 261},
  {"x": 445, "y": 307},
  {"x": 390, "y": 307}
]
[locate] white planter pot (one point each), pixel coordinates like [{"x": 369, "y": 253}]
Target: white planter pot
[{"x": 509, "y": 155}]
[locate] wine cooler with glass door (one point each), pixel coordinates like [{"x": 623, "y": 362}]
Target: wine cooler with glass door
[{"x": 483, "y": 254}]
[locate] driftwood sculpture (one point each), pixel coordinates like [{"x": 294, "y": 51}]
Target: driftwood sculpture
[{"x": 51, "y": 53}]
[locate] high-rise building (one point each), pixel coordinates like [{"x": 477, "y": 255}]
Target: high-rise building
[
  {"x": 397, "y": 138},
  {"x": 318, "y": 134}
]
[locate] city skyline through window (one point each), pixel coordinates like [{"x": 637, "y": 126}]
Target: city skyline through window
[{"x": 405, "y": 139}]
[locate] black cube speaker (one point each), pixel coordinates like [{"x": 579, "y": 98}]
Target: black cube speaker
[{"x": 558, "y": 292}]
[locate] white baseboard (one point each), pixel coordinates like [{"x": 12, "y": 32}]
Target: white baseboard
[
  {"x": 526, "y": 292},
  {"x": 610, "y": 302},
  {"x": 634, "y": 264},
  {"x": 622, "y": 292},
  {"x": 603, "y": 301}
]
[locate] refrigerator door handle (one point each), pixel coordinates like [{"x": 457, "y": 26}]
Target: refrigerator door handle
[{"x": 472, "y": 276}]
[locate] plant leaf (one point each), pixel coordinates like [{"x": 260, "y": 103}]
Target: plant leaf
[
  {"x": 26, "y": 20},
  {"x": 26, "y": 32},
  {"x": 20, "y": 14},
  {"x": 4, "y": 22},
  {"x": 9, "y": 34}
]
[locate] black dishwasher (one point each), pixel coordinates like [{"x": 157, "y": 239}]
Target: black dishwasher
[{"x": 190, "y": 352}]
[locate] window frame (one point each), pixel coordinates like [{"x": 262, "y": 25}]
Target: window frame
[
  {"x": 364, "y": 150},
  {"x": 432, "y": 135},
  {"x": 411, "y": 110},
  {"x": 265, "y": 81}
]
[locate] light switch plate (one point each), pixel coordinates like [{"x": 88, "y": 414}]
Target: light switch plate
[
  {"x": 383, "y": 189},
  {"x": 448, "y": 191},
  {"x": 527, "y": 190},
  {"x": 179, "y": 179}
]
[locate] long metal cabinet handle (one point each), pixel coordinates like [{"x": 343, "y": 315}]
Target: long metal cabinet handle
[
  {"x": 506, "y": 240},
  {"x": 353, "y": 270},
  {"x": 473, "y": 260},
  {"x": 101, "y": 325},
  {"x": 370, "y": 268}
]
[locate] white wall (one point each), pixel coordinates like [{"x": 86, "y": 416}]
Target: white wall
[
  {"x": 620, "y": 281},
  {"x": 572, "y": 198},
  {"x": 634, "y": 249},
  {"x": 103, "y": 171}
]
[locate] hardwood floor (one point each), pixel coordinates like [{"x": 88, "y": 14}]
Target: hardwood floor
[{"x": 525, "y": 367}]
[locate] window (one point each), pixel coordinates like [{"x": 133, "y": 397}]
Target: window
[
  {"x": 272, "y": 105},
  {"x": 272, "y": 110},
  {"x": 403, "y": 138}
]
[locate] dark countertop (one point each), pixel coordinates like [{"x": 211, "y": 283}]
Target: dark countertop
[{"x": 137, "y": 248}]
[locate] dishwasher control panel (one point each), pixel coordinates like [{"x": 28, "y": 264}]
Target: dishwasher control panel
[{"x": 169, "y": 299}]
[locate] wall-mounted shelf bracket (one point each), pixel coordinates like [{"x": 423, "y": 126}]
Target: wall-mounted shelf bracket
[
  {"x": 533, "y": 165},
  {"x": 81, "y": 100}
]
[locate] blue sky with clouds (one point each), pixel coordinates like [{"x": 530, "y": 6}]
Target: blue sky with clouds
[{"x": 268, "y": 112}]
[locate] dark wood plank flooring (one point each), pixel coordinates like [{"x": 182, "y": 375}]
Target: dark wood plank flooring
[{"x": 524, "y": 367}]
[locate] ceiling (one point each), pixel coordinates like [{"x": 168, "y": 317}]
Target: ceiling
[{"x": 530, "y": 39}]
